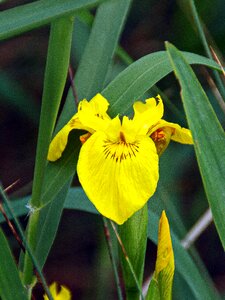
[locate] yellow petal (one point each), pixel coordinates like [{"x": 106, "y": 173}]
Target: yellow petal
[
  {"x": 98, "y": 105},
  {"x": 59, "y": 142},
  {"x": 62, "y": 294},
  {"x": 165, "y": 250},
  {"x": 118, "y": 178},
  {"x": 93, "y": 114},
  {"x": 147, "y": 114},
  {"x": 90, "y": 117}
]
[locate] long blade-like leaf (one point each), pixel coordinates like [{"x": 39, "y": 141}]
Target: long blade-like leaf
[
  {"x": 23, "y": 18},
  {"x": 95, "y": 62},
  {"x": 208, "y": 136},
  {"x": 140, "y": 76},
  {"x": 11, "y": 287}
]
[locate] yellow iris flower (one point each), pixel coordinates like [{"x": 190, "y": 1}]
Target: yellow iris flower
[
  {"x": 62, "y": 294},
  {"x": 118, "y": 161}
]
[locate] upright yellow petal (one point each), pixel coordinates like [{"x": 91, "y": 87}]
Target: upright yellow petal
[
  {"x": 165, "y": 249},
  {"x": 90, "y": 116},
  {"x": 93, "y": 114},
  {"x": 62, "y": 294},
  {"x": 147, "y": 114},
  {"x": 118, "y": 177}
]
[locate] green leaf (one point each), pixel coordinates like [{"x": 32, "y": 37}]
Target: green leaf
[
  {"x": 110, "y": 14},
  {"x": 140, "y": 76},
  {"x": 153, "y": 290},
  {"x": 54, "y": 82},
  {"x": 11, "y": 287},
  {"x": 23, "y": 18},
  {"x": 208, "y": 137},
  {"x": 49, "y": 220},
  {"x": 95, "y": 62}
]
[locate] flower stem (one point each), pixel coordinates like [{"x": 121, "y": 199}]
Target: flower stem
[{"x": 132, "y": 238}]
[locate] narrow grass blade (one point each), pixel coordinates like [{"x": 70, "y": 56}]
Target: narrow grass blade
[
  {"x": 25, "y": 17},
  {"x": 54, "y": 82},
  {"x": 208, "y": 136},
  {"x": 205, "y": 44},
  {"x": 11, "y": 287},
  {"x": 100, "y": 48},
  {"x": 110, "y": 13}
]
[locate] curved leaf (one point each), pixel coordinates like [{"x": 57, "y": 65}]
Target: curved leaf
[
  {"x": 23, "y": 18},
  {"x": 208, "y": 134},
  {"x": 140, "y": 76}
]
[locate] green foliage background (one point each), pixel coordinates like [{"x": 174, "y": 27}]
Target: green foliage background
[{"x": 141, "y": 30}]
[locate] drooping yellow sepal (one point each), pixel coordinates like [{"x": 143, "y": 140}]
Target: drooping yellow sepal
[
  {"x": 59, "y": 294},
  {"x": 115, "y": 175},
  {"x": 161, "y": 284}
]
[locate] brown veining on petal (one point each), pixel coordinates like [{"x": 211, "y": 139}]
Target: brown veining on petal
[{"x": 120, "y": 151}]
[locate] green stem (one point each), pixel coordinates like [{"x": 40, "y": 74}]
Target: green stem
[
  {"x": 133, "y": 234},
  {"x": 205, "y": 45},
  {"x": 54, "y": 82}
]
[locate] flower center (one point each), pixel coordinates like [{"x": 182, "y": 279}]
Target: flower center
[{"x": 121, "y": 150}]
